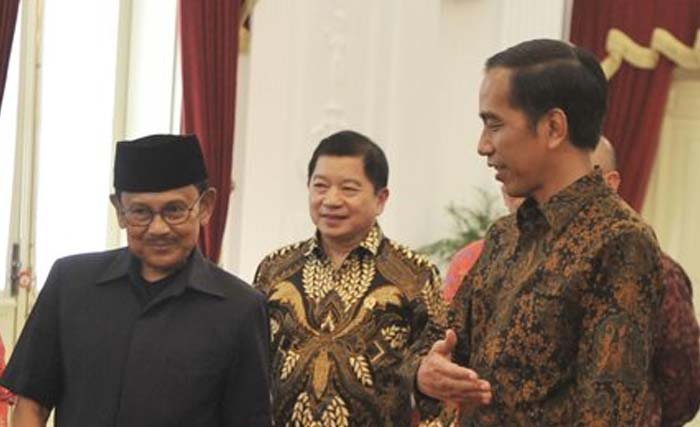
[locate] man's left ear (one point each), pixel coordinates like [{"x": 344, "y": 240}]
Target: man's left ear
[
  {"x": 556, "y": 127},
  {"x": 382, "y": 196},
  {"x": 206, "y": 206},
  {"x": 612, "y": 178}
]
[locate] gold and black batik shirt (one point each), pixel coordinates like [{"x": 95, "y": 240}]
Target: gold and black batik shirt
[{"x": 346, "y": 341}]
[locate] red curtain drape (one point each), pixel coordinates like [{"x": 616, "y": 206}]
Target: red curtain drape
[
  {"x": 209, "y": 35},
  {"x": 8, "y": 19},
  {"x": 637, "y": 97}
]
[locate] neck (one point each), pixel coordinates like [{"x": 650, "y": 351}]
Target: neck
[{"x": 564, "y": 171}]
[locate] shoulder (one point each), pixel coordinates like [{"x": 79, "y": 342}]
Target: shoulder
[
  {"x": 616, "y": 220},
  {"x": 675, "y": 278},
  {"x": 624, "y": 248},
  {"x": 672, "y": 269},
  {"x": 91, "y": 260},
  {"x": 623, "y": 230},
  {"x": 88, "y": 267},
  {"x": 405, "y": 267},
  {"x": 281, "y": 263},
  {"x": 236, "y": 290}
]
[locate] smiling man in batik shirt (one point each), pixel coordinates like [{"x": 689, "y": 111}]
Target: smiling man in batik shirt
[
  {"x": 351, "y": 311},
  {"x": 554, "y": 326}
]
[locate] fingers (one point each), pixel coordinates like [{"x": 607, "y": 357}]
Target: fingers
[
  {"x": 474, "y": 397},
  {"x": 450, "y": 339},
  {"x": 441, "y": 379},
  {"x": 447, "y": 345},
  {"x": 452, "y": 371}
]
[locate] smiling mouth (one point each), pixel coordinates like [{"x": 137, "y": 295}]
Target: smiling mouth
[
  {"x": 160, "y": 245},
  {"x": 333, "y": 217}
]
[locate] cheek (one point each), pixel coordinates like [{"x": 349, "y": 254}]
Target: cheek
[
  {"x": 134, "y": 234},
  {"x": 315, "y": 203},
  {"x": 364, "y": 209}
]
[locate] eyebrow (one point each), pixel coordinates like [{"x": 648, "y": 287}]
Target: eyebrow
[
  {"x": 345, "y": 181},
  {"x": 487, "y": 115}
]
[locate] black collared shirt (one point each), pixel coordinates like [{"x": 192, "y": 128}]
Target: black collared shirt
[
  {"x": 145, "y": 291},
  {"x": 196, "y": 354}
]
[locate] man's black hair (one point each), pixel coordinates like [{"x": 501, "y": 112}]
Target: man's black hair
[
  {"x": 549, "y": 74},
  {"x": 348, "y": 143}
]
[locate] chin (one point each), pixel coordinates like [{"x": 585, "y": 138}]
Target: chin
[
  {"x": 165, "y": 262},
  {"x": 331, "y": 233},
  {"x": 514, "y": 192}
]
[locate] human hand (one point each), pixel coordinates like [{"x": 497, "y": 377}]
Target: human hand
[{"x": 440, "y": 378}]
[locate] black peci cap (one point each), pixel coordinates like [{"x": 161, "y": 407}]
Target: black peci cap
[{"x": 158, "y": 163}]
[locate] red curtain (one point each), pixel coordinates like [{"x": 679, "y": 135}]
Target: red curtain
[
  {"x": 637, "y": 98},
  {"x": 8, "y": 19},
  {"x": 209, "y": 35}
]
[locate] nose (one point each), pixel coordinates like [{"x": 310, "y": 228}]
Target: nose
[
  {"x": 332, "y": 197},
  {"x": 484, "y": 147},
  {"x": 158, "y": 225}
]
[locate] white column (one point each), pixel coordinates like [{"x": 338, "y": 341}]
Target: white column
[{"x": 530, "y": 19}]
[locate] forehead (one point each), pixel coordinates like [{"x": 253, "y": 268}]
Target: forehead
[
  {"x": 184, "y": 194},
  {"x": 495, "y": 87},
  {"x": 340, "y": 167}
]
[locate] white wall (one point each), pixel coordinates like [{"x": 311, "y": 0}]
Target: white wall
[{"x": 404, "y": 72}]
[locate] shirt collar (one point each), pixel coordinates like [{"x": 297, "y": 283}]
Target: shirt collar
[
  {"x": 370, "y": 243},
  {"x": 563, "y": 206},
  {"x": 196, "y": 274}
]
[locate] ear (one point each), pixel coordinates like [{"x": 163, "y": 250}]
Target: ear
[
  {"x": 613, "y": 179},
  {"x": 206, "y": 206},
  {"x": 118, "y": 209},
  {"x": 555, "y": 127},
  {"x": 382, "y": 196}
]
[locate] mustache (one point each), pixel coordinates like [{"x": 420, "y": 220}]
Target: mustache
[{"x": 160, "y": 240}]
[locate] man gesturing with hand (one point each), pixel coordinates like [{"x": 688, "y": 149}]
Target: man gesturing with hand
[
  {"x": 443, "y": 379},
  {"x": 554, "y": 324}
]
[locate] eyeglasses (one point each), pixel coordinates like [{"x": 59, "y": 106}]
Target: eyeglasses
[{"x": 175, "y": 213}]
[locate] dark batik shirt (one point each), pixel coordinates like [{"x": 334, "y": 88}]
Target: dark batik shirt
[
  {"x": 677, "y": 358},
  {"x": 346, "y": 341},
  {"x": 558, "y": 313}
]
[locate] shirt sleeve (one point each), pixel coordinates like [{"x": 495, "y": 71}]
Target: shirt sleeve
[
  {"x": 428, "y": 326},
  {"x": 614, "y": 364},
  {"x": 34, "y": 370},
  {"x": 247, "y": 396}
]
